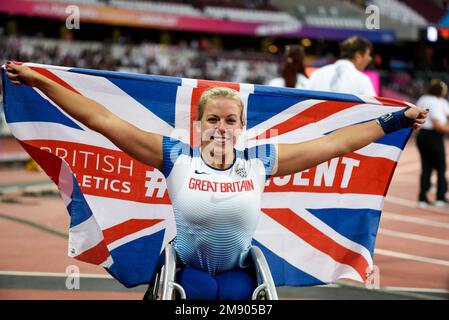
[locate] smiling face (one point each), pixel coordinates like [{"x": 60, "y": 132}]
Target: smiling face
[
  {"x": 221, "y": 125},
  {"x": 220, "y": 112}
]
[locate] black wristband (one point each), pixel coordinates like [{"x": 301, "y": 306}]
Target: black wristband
[{"x": 392, "y": 122}]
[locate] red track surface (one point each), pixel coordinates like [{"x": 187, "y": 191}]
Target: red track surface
[
  {"x": 405, "y": 272},
  {"x": 404, "y": 229}
]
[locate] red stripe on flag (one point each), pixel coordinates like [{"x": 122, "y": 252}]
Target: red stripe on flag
[
  {"x": 48, "y": 162},
  {"x": 95, "y": 255},
  {"x": 391, "y": 102},
  {"x": 50, "y": 75},
  {"x": 313, "y": 114},
  {"x": 318, "y": 239},
  {"x": 104, "y": 172},
  {"x": 202, "y": 86},
  {"x": 126, "y": 228}
]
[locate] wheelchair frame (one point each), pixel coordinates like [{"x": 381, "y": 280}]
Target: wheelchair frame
[{"x": 164, "y": 284}]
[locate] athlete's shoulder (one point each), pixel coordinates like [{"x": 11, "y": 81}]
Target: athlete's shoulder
[
  {"x": 266, "y": 153},
  {"x": 172, "y": 149}
]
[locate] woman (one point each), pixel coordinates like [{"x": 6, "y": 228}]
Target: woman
[
  {"x": 215, "y": 189},
  {"x": 294, "y": 69},
  {"x": 430, "y": 141}
]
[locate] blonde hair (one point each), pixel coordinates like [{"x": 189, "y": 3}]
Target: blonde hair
[{"x": 219, "y": 92}]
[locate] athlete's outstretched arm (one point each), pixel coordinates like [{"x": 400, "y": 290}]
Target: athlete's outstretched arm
[
  {"x": 141, "y": 145},
  {"x": 297, "y": 157}
]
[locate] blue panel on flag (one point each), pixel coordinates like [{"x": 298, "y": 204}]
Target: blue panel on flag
[
  {"x": 397, "y": 139},
  {"x": 159, "y": 98},
  {"x": 24, "y": 104},
  {"x": 262, "y": 107},
  {"x": 78, "y": 208},
  {"x": 129, "y": 76},
  {"x": 135, "y": 261},
  {"x": 358, "y": 225},
  {"x": 269, "y": 101},
  {"x": 156, "y": 93},
  {"x": 306, "y": 94},
  {"x": 284, "y": 274}
]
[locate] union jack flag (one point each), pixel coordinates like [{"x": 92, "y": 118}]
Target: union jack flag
[{"x": 316, "y": 226}]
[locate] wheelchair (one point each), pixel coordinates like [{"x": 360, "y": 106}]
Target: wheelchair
[{"x": 165, "y": 287}]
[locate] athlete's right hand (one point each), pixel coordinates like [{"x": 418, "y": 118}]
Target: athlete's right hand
[{"x": 20, "y": 74}]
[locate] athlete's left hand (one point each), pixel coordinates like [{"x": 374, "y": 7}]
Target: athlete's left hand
[{"x": 418, "y": 114}]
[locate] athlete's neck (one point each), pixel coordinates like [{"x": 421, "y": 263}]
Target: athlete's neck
[{"x": 220, "y": 162}]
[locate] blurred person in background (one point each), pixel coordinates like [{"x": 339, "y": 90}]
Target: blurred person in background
[
  {"x": 2, "y": 113},
  {"x": 430, "y": 142},
  {"x": 345, "y": 75},
  {"x": 294, "y": 69}
]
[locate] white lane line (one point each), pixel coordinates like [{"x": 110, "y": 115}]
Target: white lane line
[
  {"x": 52, "y": 274},
  {"x": 406, "y": 168},
  {"x": 411, "y": 236},
  {"x": 402, "y": 175},
  {"x": 406, "y": 179},
  {"x": 401, "y": 201},
  {"x": 413, "y": 204},
  {"x": 408, "y": 162},
  {"x": 421, "y": 221},
  {"x": 424, "y": 290},
  {"x": 411, "y": 257}
]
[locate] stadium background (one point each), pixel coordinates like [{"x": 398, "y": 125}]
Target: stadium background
[{"x": 232, "y": 40}]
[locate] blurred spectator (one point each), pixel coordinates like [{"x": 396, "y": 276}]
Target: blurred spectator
[
  {"x": 181, "y": 61},
  {"x": 186, "y": 59},
  {"x": 445, "y": 5},
  {"x": 3, "y": 129},
  {"x": 345, "y": 74},
  {"x": 430, "y": 142},
  {"x": 293, "y": 70}
]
